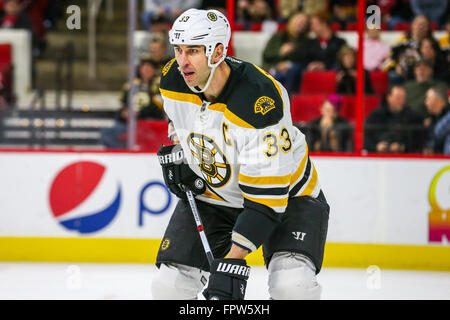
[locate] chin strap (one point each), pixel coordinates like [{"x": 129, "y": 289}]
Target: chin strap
[{"x": 207, "y": 82}]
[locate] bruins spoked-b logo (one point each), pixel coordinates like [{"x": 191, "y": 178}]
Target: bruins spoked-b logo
[
  {"x": 212, "y": 162},
  {"x": 211, "y": 16},
  {"x": 165, "y": 244},
  {"x": 264, "y": 104}
]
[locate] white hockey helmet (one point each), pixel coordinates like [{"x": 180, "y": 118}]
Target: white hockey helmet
[{"x": 202, "y": 27}]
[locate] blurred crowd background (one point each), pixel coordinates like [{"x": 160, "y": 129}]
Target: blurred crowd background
[{"x": 79, "y": 90}]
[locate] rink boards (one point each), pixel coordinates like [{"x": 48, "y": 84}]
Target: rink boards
[{"x": 113, "y": 207}]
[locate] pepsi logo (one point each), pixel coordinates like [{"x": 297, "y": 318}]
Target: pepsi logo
[{"x": 84, "y": 197}]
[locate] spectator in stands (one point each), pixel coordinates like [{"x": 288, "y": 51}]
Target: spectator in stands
[
  {"x": 330, "y": 132},
  {"x": 286, "y": 8},
  {"x": 393, "y": 127},
  {"x": 281, "y": 55},
  {"x": 3, "y": 106},
  {"x": 376, "y": 51},
  {"x": 158, "y": 49},
  {"x": 156, "y": 45},
  {"x": 406, "y": 52},
  {"x": 420, "y": 29},
  {"x": 36, "y": 11},
  {"x": 3, "y": 100},
  {"x": 433, "y": 9},
  {"x": 116, "y": 136},
  {"x": 437, "y": 107},
  {"x": 444, "y": 42},
  {"x": 147, "y": 103},
  {"x": 416, "y": 89},
  {"x": 346, "y": 73},
  {"x": 14, "y": 17},
  {"x": 320, "y": 53},
  {"x": 164, "y": 11},
  {"x": 54, "y": 11},
  {"x": 7, "y": 95},
  {"x": 36, "y": 16},
  {"x": 254, "y": 11},
  {"x": 147, "y": 100},
  {"x": 344, "y": 11},
  {"x": 393, "y": 11},
  {"x": 429, "y": 49},
  {"x": 442, "y": 133}
]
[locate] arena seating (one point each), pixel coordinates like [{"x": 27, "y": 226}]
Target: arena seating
[
  {"x": 349, "y": 106},
  {"x": 405, "y": 26},
  {"x": 324, "y": 82},
  {"x": 314, "y": 82},
  {"x": 305, "y": 108},
  {"x": 6, "y": 74},
  {"x": 5, "y": 55},
  {"x": 335, "y": 26},
  {"x": 150, "y": 134},
  {"x": 257, "y": 26},
  {"x": 316, "y": 86},
  {"x": 380, "y": 82}
]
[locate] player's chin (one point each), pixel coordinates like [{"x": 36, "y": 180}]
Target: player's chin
[{"x": 191, "y": 81}]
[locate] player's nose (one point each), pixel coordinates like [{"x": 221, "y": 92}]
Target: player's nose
[{"x": 183, "y": 60}]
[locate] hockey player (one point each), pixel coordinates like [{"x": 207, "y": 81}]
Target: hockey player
[{"x": 233, "y": 123}]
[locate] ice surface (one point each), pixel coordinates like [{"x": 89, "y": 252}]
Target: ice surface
[{"x": 132, "y": 281}]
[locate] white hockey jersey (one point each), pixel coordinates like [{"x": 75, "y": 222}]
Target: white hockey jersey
[{"x": 243, "y": 144}]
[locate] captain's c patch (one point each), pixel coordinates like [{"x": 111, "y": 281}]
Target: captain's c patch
[{"x": 264, "y": 104}]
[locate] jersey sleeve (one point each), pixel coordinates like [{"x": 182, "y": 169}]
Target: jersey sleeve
[{"x": 266, "y": 161}]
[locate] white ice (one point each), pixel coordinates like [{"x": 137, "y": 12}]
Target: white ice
[{"x": 87, "y": 281}]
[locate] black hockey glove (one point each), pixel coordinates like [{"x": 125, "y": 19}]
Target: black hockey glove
[
  {"x": 228, "y": 280},
  {"x": 178, "y": 177}
]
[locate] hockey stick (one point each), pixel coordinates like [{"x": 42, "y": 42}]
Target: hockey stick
[{"x": 200, "y": 228}]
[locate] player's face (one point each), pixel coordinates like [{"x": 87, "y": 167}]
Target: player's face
[{"x": 193, "y": 64}]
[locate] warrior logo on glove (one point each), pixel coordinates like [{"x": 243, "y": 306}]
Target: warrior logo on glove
[
  {"x": 176, "y": 156},
  {"x": 232, "y": 268},
  {"x": 228, "y": 280}
]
